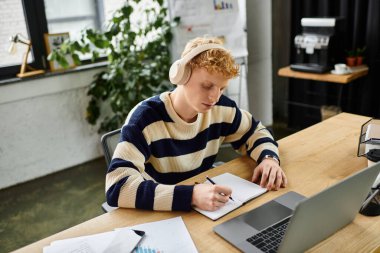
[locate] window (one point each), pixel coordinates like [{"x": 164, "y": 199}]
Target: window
[
  {"x": 34, "y": 18},
  {"x": 12, "y": 20},
  {"x": 71, "y": 16}
]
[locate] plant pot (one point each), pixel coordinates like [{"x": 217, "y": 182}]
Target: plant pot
[
  {"x": 351, "y": 61},
  {"x": 359, "y": 60}
]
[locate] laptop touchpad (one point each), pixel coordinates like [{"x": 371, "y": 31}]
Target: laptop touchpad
[{"x": 266, "y": 215}]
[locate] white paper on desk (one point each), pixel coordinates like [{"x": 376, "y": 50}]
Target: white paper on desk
[
  {"x": 123, "y": 241},
  {"x": 110, "y": 242},
  {"x": 170, "y": 235}
]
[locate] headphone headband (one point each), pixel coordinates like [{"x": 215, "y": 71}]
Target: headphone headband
[
  {"x": 180, "y": 73},
  {"x": 199, "y": 49}
]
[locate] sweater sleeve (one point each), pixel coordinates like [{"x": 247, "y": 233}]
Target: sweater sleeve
[
  {"x": 250, "y": 137},
  {"x": 128, "y": 185}
]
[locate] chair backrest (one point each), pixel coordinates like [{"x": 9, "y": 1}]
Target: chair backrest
[{"x": 109, "y": 143}]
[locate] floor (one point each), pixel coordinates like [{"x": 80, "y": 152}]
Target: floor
[{"x": 41, "y": 207}]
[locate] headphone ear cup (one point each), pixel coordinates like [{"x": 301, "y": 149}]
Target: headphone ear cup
[
  {"x": 186, "y": 75},
  {"x": 176, "y": 72}
]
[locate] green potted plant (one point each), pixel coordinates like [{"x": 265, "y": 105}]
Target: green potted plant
[
  {"x": 360, "y": 55},
  {"x": 137, "y": 50},
  {"x": 351, "y": 57}
]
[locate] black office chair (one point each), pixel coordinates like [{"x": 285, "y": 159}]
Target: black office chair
[{"x": 109, "y": 142}]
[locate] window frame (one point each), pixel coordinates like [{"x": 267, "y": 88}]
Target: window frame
[{"x": 36, "y": 25}]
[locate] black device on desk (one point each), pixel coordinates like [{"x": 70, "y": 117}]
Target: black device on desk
[{"x": 318, "y": 47}]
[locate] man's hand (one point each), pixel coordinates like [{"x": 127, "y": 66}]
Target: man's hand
[
  {"x": 210, "y": 197},
  {"x": 269, "y": 175}
]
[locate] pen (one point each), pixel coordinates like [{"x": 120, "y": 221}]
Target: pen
[{"x": 211, "y": 181}]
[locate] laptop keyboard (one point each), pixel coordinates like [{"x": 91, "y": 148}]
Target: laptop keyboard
[{"x": 270, "y": 238}]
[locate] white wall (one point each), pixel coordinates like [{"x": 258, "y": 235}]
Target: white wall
[
  {"x": 42, "y": 127},
  {"x": 259, "y": 29}
]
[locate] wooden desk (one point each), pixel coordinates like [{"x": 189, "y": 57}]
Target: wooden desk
[
  {"x": 325, "y": 77},
  {"x": 313, "y": 159}
]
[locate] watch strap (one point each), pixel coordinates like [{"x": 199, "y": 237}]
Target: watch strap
[{"x": 272, "y": 157}]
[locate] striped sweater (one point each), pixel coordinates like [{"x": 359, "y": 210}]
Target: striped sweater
[{"x": 158, "y": 149}]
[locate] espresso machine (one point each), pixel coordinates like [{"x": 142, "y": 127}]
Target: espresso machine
[{"x": 317, "y": 48}]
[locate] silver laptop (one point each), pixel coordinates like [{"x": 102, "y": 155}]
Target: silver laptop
[{"x": 294, "y": 223}]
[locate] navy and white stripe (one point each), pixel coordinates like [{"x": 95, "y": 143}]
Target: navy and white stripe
[{"x": 158, "y": 149}]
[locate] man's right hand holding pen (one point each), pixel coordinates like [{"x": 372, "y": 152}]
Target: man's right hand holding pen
[
  {"x": 210, "y": 197},
  {"x": 212, "y": 182}
]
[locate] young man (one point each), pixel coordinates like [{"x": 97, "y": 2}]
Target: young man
[{"x": 176, "y": 135}]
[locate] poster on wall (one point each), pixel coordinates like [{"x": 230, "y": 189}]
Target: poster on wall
[{"x": 219, "y": 18}]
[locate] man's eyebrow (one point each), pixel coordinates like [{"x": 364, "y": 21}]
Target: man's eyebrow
[{"x": 207, "y": 83}]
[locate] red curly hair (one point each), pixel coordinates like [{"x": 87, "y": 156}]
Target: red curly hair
[{"x": 214, "y": 60}]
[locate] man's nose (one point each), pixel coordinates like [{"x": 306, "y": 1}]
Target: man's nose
[{"x": 214, "y": 94}]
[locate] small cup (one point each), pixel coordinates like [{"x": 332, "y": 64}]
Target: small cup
[{"x": 341, "y": 68}]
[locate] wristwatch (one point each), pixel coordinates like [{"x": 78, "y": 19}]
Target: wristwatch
[{"x": 272, "y": 157}]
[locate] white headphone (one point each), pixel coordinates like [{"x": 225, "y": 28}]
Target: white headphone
[{"x": 179, "y": 72}]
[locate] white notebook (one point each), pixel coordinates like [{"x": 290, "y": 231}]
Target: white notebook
[{"x": 242, "y": 192}]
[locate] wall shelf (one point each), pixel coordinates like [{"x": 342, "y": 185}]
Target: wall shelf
[{"x": 357, "y": 72}]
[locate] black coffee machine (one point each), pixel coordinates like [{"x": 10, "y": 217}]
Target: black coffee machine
[{"x": 319, "y": 46}]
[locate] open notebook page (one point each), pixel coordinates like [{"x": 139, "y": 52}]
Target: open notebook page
[{"x": 242, "y": 191}]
